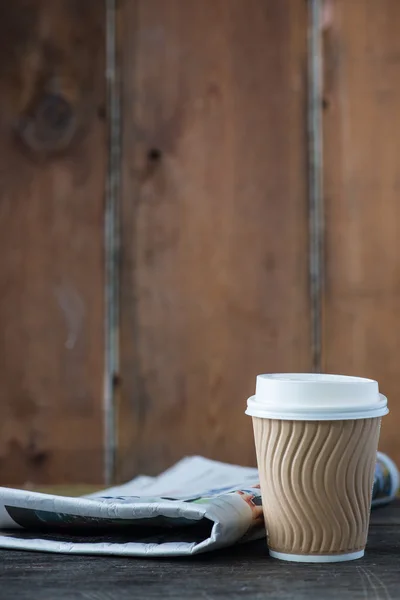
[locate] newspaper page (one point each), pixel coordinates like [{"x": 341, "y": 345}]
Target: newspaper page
[{"x": 196, "y": 506}]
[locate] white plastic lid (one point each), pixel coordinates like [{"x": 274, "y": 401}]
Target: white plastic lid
[{"x": 316, "y": 397}]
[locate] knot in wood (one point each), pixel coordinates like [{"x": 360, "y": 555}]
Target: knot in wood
[
  {"x": 49, "y": 125},
  {"x": 53, "y": 113}
]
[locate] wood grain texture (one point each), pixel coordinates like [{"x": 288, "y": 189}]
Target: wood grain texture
[
  {"x": 244, "y": 571},
  {"x": 214, "y": 258},
  {"x": 53, "y": 152},
  {"x": 362, "y": 182}
]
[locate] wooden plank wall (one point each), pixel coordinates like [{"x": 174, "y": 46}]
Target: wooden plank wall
[
  {"x": 214, "y": 213},
  {"x": 53, "y": 159},
  {"x": 362, "y": 184},
  {"x": 213, "y": 268}
]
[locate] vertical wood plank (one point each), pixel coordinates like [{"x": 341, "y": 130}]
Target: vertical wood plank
[
  {"x": 214, "y": 257},
  {"x": 362, "y": 182},
  {"x": 53, "y": 153}
]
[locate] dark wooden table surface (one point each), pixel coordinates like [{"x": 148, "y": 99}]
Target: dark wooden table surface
[{"x": 237, "y": 573}]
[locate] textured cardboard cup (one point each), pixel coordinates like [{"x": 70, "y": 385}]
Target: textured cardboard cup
[{"x": 316, "y": 483}]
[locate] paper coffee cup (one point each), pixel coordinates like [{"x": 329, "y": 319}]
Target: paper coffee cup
[{"x": 316, "y": 440}]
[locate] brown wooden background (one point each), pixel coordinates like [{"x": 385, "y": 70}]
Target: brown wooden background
[{"x": 122, "y": 351}]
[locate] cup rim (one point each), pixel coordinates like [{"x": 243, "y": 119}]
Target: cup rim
[{"x": 263, "y": 411}]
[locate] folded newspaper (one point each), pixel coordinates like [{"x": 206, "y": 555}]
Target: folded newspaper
[{"x": 196, "y": 506}]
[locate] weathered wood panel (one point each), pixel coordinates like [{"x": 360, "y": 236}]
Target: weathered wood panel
[
  {"x": 52, "y": 153},
  {"x": 214, "y": 258},
  {"x": 362, "y": 183}
]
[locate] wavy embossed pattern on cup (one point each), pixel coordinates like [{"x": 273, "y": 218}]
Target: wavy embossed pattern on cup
[{"x": 316, "y": 482}]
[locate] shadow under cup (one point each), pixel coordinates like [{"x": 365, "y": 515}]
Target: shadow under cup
[{"x": 316, "y": 482}]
